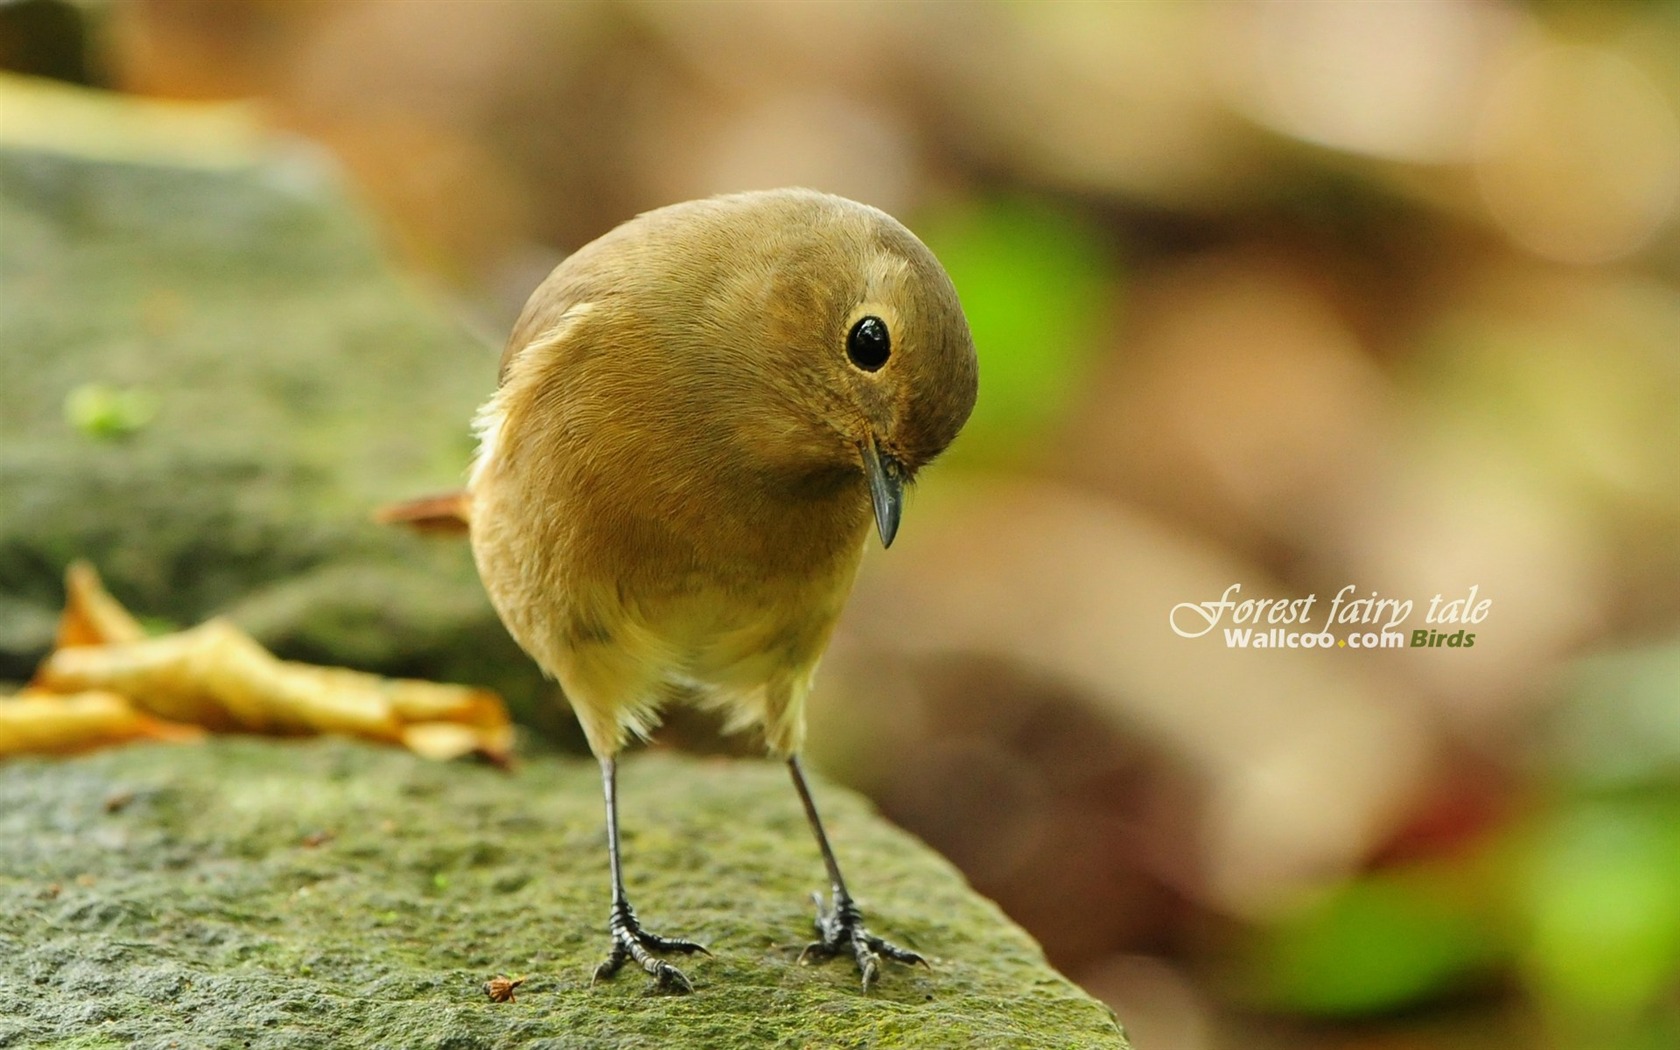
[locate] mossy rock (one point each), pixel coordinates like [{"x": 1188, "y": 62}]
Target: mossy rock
[
  {"x": 252, "y": 893},
  {"x": 210, "y": 377}
]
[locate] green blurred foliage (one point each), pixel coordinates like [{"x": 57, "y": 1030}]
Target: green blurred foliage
[
  {"x": 1376, "y": 945},
  {"x": 1600, "y": 903},
  {"x": 1579, "y": 905},
  {"x": 1038, "y": 284}
]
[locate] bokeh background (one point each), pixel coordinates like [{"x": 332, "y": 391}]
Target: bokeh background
[{"x": 1295, "y": 295}]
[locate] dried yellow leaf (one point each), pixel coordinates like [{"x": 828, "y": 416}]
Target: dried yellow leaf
[
  {"x": 42, "y": 723},
  {"x": 219, "y": 677}
]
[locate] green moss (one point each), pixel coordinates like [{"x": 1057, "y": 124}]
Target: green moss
[{"x": 154, "y": 894}]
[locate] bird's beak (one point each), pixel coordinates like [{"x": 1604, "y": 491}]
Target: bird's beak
[{"x": 886, "y": 490}]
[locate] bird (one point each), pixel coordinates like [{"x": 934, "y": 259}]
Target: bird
[{"x": 699, "y": 417}]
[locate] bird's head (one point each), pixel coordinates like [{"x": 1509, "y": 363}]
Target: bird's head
[{"x": 878, "y": 367}]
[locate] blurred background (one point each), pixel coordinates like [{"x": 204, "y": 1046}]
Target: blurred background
[{"x": 1296, "y": 295}]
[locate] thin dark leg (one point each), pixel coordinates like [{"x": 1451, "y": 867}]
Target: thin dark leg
[
  {"x": 609, "y": 788},
  {"x": 630, "y": 941},
  {"x": 841, "y": 925},
  {"x": 835, "y": 879}
]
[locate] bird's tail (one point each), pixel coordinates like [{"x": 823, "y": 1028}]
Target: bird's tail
[{"x": 447, "y": 513}]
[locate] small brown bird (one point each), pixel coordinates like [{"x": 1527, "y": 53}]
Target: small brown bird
[{"x": 699, "y": 414}]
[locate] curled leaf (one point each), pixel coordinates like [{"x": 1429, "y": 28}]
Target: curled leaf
[{"x": 91, "y": 616}]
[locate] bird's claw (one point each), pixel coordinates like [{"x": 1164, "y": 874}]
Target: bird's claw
[
  {"x": 842, "y": 931},
  {"x": 631, "y": 942}
]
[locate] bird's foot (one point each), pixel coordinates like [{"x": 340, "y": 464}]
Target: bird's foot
[
  {"x": 630, "y": 941},
  {"x": 842, "y": 931}
]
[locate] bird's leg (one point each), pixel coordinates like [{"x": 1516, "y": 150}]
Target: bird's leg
[
  {"x": 630, "y": 941},
  {"x": 839, "y": 922}
]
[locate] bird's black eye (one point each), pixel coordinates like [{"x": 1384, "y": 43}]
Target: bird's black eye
[{"x": 868, "y": 345}]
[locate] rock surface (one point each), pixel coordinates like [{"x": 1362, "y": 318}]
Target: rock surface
[
  {"x": 326, "y": 894},
  {"x": 210, "y": 376}
]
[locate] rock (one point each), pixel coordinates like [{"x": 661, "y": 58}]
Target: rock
[
  {"x": 255, "y": 893},
  {"x": 210, "y": 376}
]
